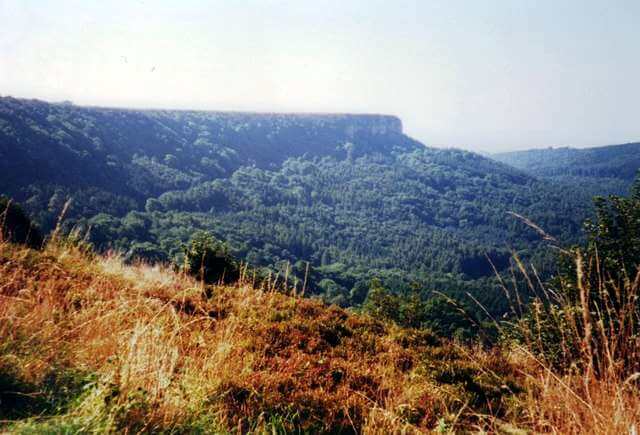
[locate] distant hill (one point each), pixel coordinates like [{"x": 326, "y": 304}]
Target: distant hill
[
  {"x": 612, "y": 161},
  {"x": 138, "y": 153},
  {"x": 349, "y": 194},
  {"x": 606, "y": 169}
]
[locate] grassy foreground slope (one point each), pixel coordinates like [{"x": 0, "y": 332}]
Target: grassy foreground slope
[{"x": 88, "y": 344}]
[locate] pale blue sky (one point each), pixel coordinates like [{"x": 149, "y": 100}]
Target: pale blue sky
[{"x": 478, "y": 74}]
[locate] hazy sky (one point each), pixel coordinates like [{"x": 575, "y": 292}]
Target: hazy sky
[{"x": 478, "y": 74}]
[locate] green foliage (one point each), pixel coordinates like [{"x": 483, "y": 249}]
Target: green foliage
[
  {"x": 209, "y": 260},
  {"x": 350, "y": 195},
  {"x": 381, "y": 303},
  {"x": 438, "y": 314},
  {"x": 589, "y": 316},
  {"x": 53, "y": 395},
  {"x": 448, "y": 318},
  {"x": 615, "y": 233}
]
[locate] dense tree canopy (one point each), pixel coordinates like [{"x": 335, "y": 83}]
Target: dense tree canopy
[{"x": 344, "y": 199}]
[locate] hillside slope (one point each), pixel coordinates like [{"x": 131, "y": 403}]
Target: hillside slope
[
  {"x": 130, "y": 155},
  {"x": 90, "y": 344},
  {"x": 349, "y": 194},
  {"x": 612, "y": 161},
  {"x": 604, "y": 170}
]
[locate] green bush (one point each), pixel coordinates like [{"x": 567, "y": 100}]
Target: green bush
[
  {"x": 16, "y": 226},
  {"x": 589, "y": 314},
  {"x": 209, "y": 259}
]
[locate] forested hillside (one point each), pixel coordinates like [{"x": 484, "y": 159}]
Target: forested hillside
[
  {"x": 350, "y": 195},
  {"x": 602, "y": 170}
]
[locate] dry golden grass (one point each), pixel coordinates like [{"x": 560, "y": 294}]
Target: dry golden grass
[
  {"x": 165, "y": 357},
  {"x": 88, "y": 344},
  {"x": 579, "y": 350},
  {"x": 567, "y": 405}
]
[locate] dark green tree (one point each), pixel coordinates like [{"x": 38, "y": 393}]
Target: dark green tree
[
  {"x": 615, "y": 233},
  {"x": 16, "y": 226},
  {"x": 381, "y": 303},
  {"x": 447, "y": 319},
  {"x": 209, "y": 259}
]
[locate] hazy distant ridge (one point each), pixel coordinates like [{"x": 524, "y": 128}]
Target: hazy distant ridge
[{"x": 611, "y": 161}]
